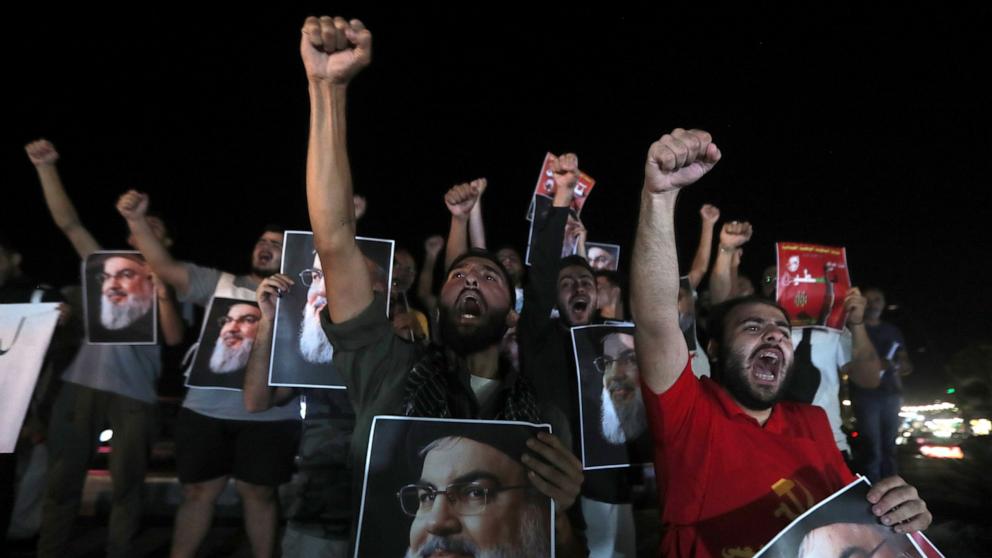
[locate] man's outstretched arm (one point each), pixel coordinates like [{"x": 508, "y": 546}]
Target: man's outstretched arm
[
  {"x": 733, "y": 236},
  {"x": 675, "y": 161},
  {"x": 43, "y": 156},
  {"x": 133, "y": 206},
  {"x": 461, "y": 201},
  {"x": 334, "y": 51},
  {"x": 701, "y": 261}
]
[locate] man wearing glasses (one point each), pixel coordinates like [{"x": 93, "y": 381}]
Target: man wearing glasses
[
  {"x": 622, "y": 410},
  {"x": 473, "y": 498}
]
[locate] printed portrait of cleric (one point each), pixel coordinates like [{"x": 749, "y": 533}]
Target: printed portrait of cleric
[
  {"x": 451, "y": 487},
  {"x": 119, "y": 297},
  {"x": 301, "y": 353},
  {"x": 613, "y": 420},
  {"x": 226, "y": 340}
]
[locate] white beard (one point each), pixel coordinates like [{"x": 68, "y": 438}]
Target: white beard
[
  {"x": 534, "y": 539},
  {"x": 628, "y": 424},
  {"x": 314, "y": 345},
  {"x": 225, "y": 360},
  {"x": 119, "y": 316}
]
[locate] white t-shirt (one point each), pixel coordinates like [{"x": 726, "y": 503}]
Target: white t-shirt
[{"x": 829, "y": 350}]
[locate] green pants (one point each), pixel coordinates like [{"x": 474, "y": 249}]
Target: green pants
[{"x": 78, "y": 417}]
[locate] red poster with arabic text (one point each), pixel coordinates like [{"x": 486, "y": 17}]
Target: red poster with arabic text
[
  {"x": 546, "y": 187},
  {"x": 812, "y": 283}
]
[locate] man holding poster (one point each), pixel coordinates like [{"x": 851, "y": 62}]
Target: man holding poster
[{"x": 764, "y": 461}]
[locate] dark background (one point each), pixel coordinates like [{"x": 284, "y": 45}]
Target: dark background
[{"x": 864, "y": 129}]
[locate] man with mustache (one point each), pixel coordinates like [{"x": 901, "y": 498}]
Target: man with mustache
[
  {"x": 127, "y": 292},
  {"x": 237, "y": 334},
  {"x": 622, "y": 409},
  {"x": 314, "y": 345},
  {"x": 737, "y": 463},
  {"x": 488, "y": 510},
  {"x": 115, "y": 384},
  {"x": 216, "y": 436},
  {"x": 464, "y": 376}
]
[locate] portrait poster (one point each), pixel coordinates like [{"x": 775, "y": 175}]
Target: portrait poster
[
  {"x": 843, "y": 525},
  {"x": 812, "y": 281},
  {"x": 25, "y": 333},
  {"x": 226, "y": 339},
  {"x": 546, "y": 188},
  {"x": 467, "y": 473},
  {"x": 612, "y": 419},
  {"x": 301, "y": 354},
  {"x": 687, "y": 312},
  {"x": 119, "y": 300},
  {"x": 603, "y": 256}
]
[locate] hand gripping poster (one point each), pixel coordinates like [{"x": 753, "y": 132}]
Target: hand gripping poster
[
  {"x": 812, "y": 282},
  {"x": 542, "y": 200},
  {"x": 843, "y": 526}
]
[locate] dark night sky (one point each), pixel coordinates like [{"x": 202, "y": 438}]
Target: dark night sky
[{"x": 867, "y": 130}]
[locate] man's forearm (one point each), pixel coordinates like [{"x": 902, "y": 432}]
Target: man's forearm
[
  {"x": 701, "y": 261},
  {"x": 170, "y": 322},
  {"x": 158, "y": 257},
  {"x": 722, "y": 277},
  {"x": 477, "y": 228},
  {"x": 457, "y": 240},
  {"x": 257, "y": 393},
  {"x": 330, "y": 201},
  {"x": 655, "y": 290},
  {"x": 865, "y": 365},
  {"x": 63, "y": 212}
]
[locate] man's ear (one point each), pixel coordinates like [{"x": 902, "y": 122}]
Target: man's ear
[
  {"x": 712, "y": 348},
  {"x": 511, "y": 318}
]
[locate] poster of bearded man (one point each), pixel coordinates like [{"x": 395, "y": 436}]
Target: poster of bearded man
[
  {"x": 301, "y": 353},
  {"x": 612, "y": 419},
  {"x": 119, "y": 302},
  {"x": 226, "y": 339}
]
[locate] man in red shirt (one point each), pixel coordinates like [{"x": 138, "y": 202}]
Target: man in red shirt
[{"x": 734, "y": 464}]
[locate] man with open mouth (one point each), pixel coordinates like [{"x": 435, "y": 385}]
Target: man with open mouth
[{"x": 736, "y": 464}]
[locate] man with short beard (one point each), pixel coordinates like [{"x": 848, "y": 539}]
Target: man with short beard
[
  {"x": 237, "y": 334},
  {"x": 464, "y": 376},
  {"x": 216, "y": 436},
  {"x": 621, "y": 408},
  {"x": 127, "y": 292},
  {"x": 736, "y": 464}
]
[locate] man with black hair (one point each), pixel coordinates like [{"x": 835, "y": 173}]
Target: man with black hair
[
  {"x": 216, "y": 436},
  {"x": 735, "y": 464},
  {"x": 609, "y": 295},
  {"x": 464, "y": 376}
]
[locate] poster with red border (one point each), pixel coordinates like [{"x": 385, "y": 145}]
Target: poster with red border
[
  {"x": 811, "y": 284},
  {"x": 546, "y": 187}
]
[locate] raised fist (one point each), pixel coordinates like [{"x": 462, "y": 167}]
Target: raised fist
[
  {"x": 709, "y": 213},
  {"x": 735, "y": 234},
  {"x": 433, "y": 245},
  {"x": 679, "y": 159},
  {"x": 334, "y": 50},
  {"x": 132, "y": 205},
  {"x": 480, "y": 185},
  {"x": 566, "y": 172},
  {"x": 461, "y": 199},
  {"x": 41, "y": 152},
  {"x": 854, "y": 305}
]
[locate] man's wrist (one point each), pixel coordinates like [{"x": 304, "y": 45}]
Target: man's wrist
[{"x": 728, "y": 249}]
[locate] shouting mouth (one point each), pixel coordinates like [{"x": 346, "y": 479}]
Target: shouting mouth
[
  {"x": 579, "y": 304},
  {"x": 264, "y": 257},
  {"x": 766, "y": 365},
  {"x": 470, "y": 305}
]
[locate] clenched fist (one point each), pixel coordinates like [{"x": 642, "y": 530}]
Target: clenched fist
[
  {"x": 735, "y": 234},
  {"x": 679, "y": 159},
  {"x": 133, "y": 205},
  {"x": 461, "y": 199},
  {"x": 41, "y": 152},
  {"x": 334, "y": 50},
  {"x": 709, "y": 213}
]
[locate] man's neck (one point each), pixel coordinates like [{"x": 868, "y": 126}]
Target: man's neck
[
  {"x": 760, "y": 416},
  {"x": 484, "y": 363}
]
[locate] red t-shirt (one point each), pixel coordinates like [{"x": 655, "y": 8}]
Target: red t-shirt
[{"x": 728, "y": 484}]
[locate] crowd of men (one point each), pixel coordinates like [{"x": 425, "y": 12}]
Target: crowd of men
[{"x": 731, "y": 422}]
